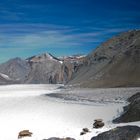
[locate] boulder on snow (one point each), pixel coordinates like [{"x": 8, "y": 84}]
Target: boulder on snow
[
  {"x": 120, "y": 133},
  {"x": 84, "y": 131},
  {"x": 24, "y": 133},
  {"x": 98, "y": 123}
]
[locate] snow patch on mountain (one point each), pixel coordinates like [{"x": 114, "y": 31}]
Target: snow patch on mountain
[{"x": 6, "y": 77}]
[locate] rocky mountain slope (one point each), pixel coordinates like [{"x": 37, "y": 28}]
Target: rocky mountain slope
[
  {"x": 115, "y": 63},
  {"x": 17, "y": 69},
  {"x": 44, "y": 68}
]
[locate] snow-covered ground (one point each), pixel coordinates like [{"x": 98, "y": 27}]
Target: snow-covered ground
[{"x": 24, "y": 107}]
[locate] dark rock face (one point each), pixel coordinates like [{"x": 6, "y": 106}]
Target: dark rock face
[
  {"x": 132, "y": 111},
  {"x": 134, "y": 97},
  {"x": 54, "y": 138},
  {"x": 120, "y": 133},
  {"x": 115, "y": 63}
]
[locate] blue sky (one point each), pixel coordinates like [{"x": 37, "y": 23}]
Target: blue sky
[{"x": 62, "y": 27}]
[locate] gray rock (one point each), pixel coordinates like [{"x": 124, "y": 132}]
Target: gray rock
[
  {"x": 132, "y": 111},
  {"x": 120, "y": 133},
  {"x": 134, "y": 97}
]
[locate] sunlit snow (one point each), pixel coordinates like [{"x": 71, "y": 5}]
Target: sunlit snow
[{"x": 24, "y": 107}]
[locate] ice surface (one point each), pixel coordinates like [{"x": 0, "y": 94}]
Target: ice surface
[{"x": 24, "y": 107}]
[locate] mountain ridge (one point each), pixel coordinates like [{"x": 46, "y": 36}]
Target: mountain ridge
[
  {"x": 44, "y": 68},
  {"x": 115, "y": 63}
]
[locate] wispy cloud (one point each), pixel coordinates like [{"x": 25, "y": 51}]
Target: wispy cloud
[
  {"x": 43, "y": 35},
  {"x": 29, "y": 27}
]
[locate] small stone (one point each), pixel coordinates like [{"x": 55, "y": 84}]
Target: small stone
[
  {"x": 82, "y": 133},
  {"x": 86, "y": 130}
]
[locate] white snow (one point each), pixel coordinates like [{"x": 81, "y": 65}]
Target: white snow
[
  {"x": 24, "y": 107},
  {"x": 5, "y": 76},
  {"x": 61, "y": 62}
]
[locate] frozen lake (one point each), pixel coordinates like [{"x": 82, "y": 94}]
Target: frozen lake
[{"x": 27, "y": 107}]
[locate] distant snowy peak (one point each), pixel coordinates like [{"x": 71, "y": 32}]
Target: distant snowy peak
[
  {"x": 6, "y": 77},
  {"x": 73, "y": 58},
  {"x": 42, "y": 57}
]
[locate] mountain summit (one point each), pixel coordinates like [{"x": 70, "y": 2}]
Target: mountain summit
[{"x": 44, "y": 68}]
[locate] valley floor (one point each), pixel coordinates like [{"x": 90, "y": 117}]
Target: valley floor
[{"x": 50, "y": 111}]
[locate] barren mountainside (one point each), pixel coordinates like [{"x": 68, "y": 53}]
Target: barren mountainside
[
  {"x": 115, "y": 63},
  {"x": 44, "y": 68}
]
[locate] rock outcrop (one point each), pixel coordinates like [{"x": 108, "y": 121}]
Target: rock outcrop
[
  {"x": 132, "y": 111},
  {"x": 120, "y": 133}
]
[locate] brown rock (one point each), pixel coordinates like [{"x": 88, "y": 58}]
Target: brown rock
[
  {"x": 24, "y": 133},
  {"x": 98, "y": 123},
  {"x": 86, "y": 130}
]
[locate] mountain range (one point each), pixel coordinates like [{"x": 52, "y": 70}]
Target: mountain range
[
  {"x": 115, "y": 63},
  {"x": 40, "y": 69}
]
